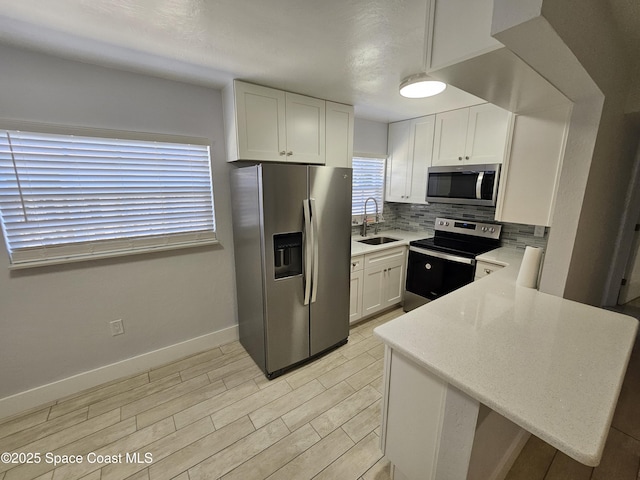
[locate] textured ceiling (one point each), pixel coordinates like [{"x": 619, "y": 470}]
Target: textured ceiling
[{"x": 351, "y": 51}]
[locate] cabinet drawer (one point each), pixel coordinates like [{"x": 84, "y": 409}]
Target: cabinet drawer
[
  {"x": 374, "y": 259},
  {"x": 357, "y": 263},
  {"x": 485, "y": 268}
]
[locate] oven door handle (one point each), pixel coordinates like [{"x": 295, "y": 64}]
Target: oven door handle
[{"x": 444, "y": 256}]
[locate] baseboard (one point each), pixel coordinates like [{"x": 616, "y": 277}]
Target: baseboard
[
  {"x": 34, "y": 397},
  {"x": 510, "y": 456}
]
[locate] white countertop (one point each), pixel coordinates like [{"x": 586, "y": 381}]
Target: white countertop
[
  {"x": 552, "y": 366},
  {"x": 403, "y": 237}
]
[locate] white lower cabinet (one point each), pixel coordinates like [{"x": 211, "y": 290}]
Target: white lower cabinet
[
  {"x": 485, "y": 268},
  {"x": 431, "y": 430},
  {"x": 377, "y": 282},
  {"x": 357, "y": 280},
  {"x": 383, "y": 283},
  {"x": 428, "y": 426}
]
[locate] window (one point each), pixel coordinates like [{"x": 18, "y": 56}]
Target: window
[
  {"x": 66, "y": 198},
  {"x": 368, "y": 181}
]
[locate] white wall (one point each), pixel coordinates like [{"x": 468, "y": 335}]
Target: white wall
[{"x": 54, "y": 320}]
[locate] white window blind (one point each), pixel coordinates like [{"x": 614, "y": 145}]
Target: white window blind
[
  {"x": 72, "y": 197},
  {"x": 368, "y": 181}
]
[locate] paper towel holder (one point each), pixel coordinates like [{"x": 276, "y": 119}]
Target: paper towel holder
[{"x": 530, "y": 267}]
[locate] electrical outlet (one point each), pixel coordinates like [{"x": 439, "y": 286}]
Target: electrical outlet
[
  {"x": 538, "y": 231},
  {"x": 117, "y": 327}
]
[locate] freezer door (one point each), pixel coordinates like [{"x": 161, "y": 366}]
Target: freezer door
[
  {"x": 284, "y": 191},
  {"x": 330, "y": 199}
]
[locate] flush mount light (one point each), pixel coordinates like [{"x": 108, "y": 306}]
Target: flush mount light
[{"x": 420, "y": 86}]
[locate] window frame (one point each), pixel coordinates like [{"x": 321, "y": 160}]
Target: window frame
[
  {"x": 357, "y": 219},
  {"x": 174, "y": 241}
]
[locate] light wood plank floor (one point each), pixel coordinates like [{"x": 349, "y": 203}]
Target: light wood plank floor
[{"x": 215, "y": 415}]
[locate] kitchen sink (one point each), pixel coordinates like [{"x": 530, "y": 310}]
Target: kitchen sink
[{"x": 378, "y": 240}]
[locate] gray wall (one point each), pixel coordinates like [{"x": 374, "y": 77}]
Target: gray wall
[
  {"x": 370, "y": 137},
  {"x": 54, "y": 320},
  {"x": 575, "y": 46}
]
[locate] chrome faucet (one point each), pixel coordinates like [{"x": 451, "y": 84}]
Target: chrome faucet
[{"x": 364, "y": 221}]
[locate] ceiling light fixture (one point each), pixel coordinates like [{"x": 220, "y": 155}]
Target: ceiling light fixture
[{"x": 420, "y": 85}]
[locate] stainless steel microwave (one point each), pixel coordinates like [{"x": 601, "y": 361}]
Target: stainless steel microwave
[{"x": 464, "y": 184}]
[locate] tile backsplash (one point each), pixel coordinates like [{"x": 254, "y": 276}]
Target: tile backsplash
[{"x": 415, "y": 217}]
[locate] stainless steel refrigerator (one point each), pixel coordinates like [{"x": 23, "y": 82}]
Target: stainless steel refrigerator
[{"x": 292, "y": 240}]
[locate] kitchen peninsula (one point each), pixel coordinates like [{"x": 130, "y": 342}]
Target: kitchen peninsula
[{"x": 551, "y": 366}]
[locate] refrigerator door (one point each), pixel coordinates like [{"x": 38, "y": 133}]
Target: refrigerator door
[
  {"x": 286, "y": 320},
  {"x": 330, "y": 200}
]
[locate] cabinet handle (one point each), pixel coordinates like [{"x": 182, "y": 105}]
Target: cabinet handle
[
  {"x": 487, "y": 271},
  {"x": 289, "y": 154},
  {"x": 460, "y": 158},
  {"x": 354, "y": 264},
  {"x": 282, "y": 153},
  {"x": 466, "y": 158}
]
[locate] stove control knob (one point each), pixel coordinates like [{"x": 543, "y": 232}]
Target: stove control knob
[
  {"x": 427, "y": 266},
  {"x": 492, "y": 230},
  {"x": 440, "y": 222},
  {"x": 446, "y": 224},
  {"x": 484, "y": 229}
]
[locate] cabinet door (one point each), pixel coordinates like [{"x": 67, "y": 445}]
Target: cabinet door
[
  {"x": 529, "y": 178},
  {"x": 485, "y": 268},
  {"x": 305, "y": 124},
  {"x": 450, "y": 137},
  {"x": 487, "y": 134},
  {"x": 260, "y": 116},
  {"x": 355, "y": 302},
  {"x": 398, "y": 162},
  {"x": 394, "y": 283},
  {"x": 339, "y": 135},
  {"x": 423, "y": 129},
  {"x": 373, "y": 290}
]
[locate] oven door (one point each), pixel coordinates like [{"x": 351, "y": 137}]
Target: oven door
[{"x": 432, "y": 274}]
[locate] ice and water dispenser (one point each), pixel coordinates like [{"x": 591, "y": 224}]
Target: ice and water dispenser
[{"x": 287, "y": 254}]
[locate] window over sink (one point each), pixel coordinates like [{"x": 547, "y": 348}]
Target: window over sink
[{"x": 368, "y": 181}]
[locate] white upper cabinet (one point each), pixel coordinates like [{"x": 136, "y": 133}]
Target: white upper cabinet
[
  {"x": 266, "y": 124},
  {"x": 450, "y": 137},
  {"x": 473, "y": 135},
  {"x": 410, "y": 148},
  {"x": 398, "y": 161},
  {"x": 487, "y": 134},
  {"x": 339, "y": 134},
  {"x": 461, "y": 30},
  {"x": 255, "y": 121},
  {"x": 305, "y": 126},
  {"x": 529, "y": 178}
]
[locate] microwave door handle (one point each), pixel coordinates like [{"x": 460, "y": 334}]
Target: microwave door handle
[
  {"x": 308, "y": 245},
  {"x": 479, "y": 185}
]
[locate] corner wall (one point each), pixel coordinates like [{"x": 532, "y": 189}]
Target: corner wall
[
  {"x": 574, "y": 45},
  {"x": 54, "y": 321}
]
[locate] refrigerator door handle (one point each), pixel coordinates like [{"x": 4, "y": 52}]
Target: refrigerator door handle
[
  {"x": 308, "y": 245},
  {"x": 314, "y": 241}
]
